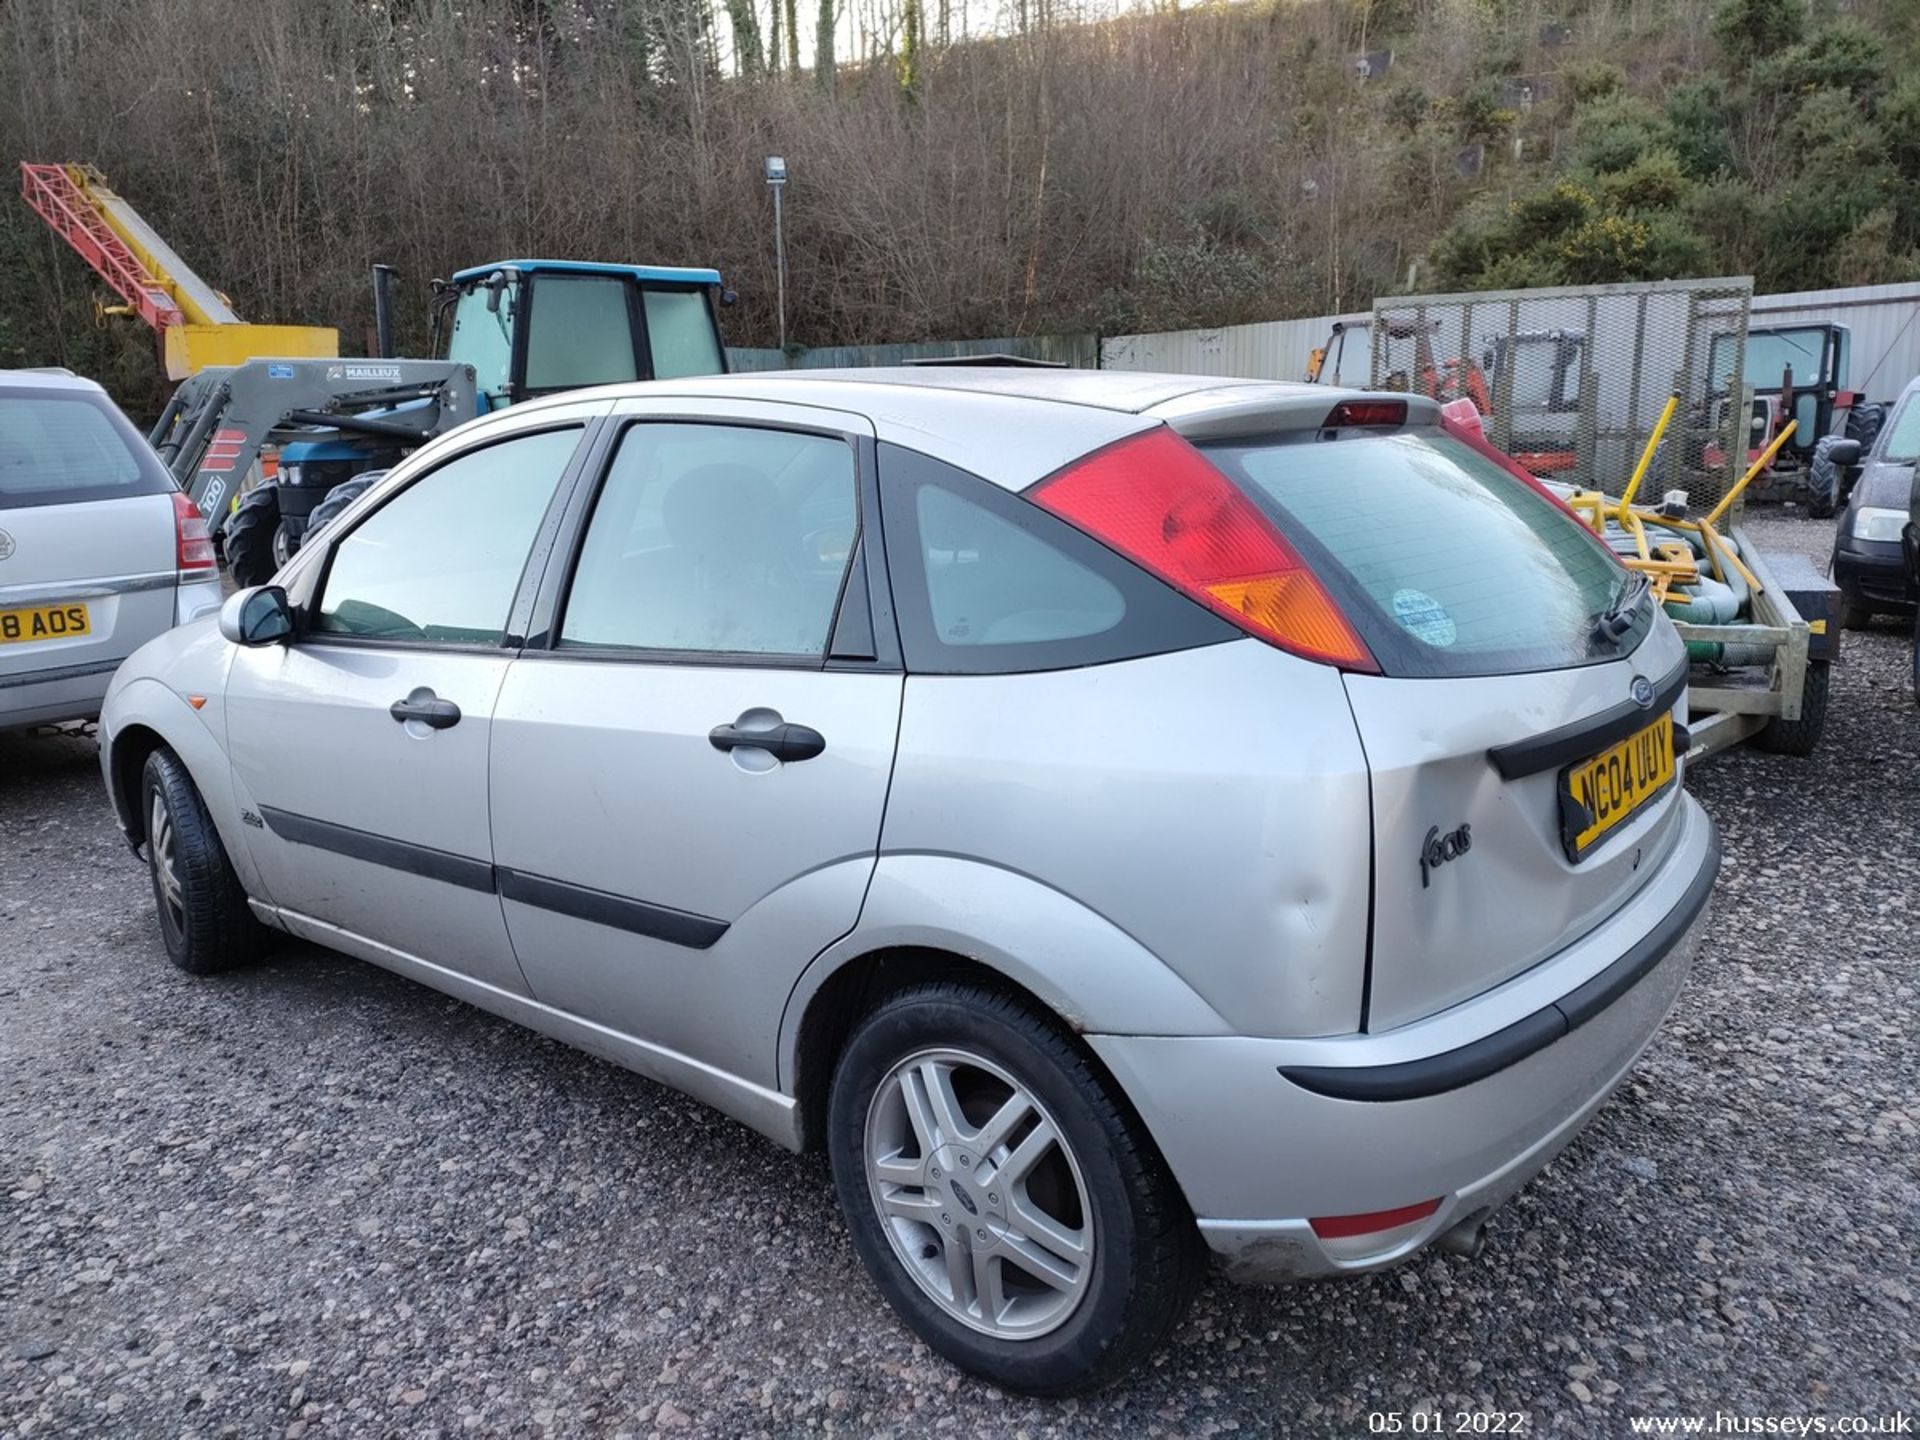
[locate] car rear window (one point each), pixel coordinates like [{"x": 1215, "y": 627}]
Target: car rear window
[
  {"x": 60, "y": 449},
  {"x": 1445, "y": 563}
]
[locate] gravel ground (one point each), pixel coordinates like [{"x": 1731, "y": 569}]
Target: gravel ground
[{"x": 317, "y": 1199}]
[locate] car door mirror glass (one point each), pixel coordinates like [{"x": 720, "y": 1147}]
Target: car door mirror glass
[{"x": 257, "y": 616}]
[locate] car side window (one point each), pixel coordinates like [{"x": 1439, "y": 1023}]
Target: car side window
[
  {"x": 439, "y": 563},
  {"x": 991, "y": 583},
  {"x": 986, "y": 583},
  {"x": 716, "y": 539}
]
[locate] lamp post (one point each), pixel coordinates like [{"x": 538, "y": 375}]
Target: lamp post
[{"x": 776, "y": 181}]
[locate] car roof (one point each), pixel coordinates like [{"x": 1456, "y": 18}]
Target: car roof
[
  {"x": 48, "y": 379},
  {"x": 1015, "y": 424}
]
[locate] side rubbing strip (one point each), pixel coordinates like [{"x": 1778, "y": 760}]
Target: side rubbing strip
[
  {"x": 1582, "y": 738},
  {"x": 461, "y": 870},
  {"x": 677, "y": 927},
  {"x": 658, "y": 922}
]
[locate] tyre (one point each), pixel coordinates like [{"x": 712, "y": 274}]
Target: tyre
[
  {"x": 1823, "y": 479},
  {"x": 204, "y": 920},
  {"x": 251, "y": 532},
  {"x": 1916, "y": 659},
  {"x": 1854, "y": 617},
  {"x": 1004, "y": 1199},
  {"x": 339, "y": 497},
  {"x": 1864, "y": 423},
  {"x": 1799, "y": 737}
]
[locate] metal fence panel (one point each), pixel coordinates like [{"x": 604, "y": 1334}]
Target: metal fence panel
[
  {"x": 1081, "y": 352},
  {"x": 1572, "y": 381}
]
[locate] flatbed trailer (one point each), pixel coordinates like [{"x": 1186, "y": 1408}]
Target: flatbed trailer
[{"x": 1796, "y": 617}]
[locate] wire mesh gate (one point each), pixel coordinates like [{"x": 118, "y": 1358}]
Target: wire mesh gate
[{"x": 1571, "y": 382}]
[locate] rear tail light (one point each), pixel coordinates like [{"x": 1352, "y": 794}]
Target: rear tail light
[
  {"x": 193, "y": 545},
  {"x": 1366, "y": 412},
  {"x": 1163, "y": 505}
]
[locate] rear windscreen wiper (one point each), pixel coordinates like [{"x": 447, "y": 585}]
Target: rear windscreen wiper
[{"x": 1614, "y": 621}]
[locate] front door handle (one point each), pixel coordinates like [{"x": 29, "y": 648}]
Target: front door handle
[
  {"x": 782, "y": 741},
  {"x": 428, "y": 708}
]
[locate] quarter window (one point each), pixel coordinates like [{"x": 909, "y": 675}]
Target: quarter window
[
  {"x": 439, "y": 563},
  {"x": 991, "y": 583},
  {"x": 719, "y": 539}
]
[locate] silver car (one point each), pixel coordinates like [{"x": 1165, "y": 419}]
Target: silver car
[
  {"x": 99, "y": 549},
  {"x": 1118, "y": 817}
]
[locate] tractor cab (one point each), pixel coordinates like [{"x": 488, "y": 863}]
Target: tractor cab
[
  {"x": 1796, "y": 372},
  {"x": 534, "y": 327}
]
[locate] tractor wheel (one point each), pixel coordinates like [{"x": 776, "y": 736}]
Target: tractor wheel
[
  {"x": 1799, "y": 737},
  {"x": 339, "y": 498},
  {"x": 1823, "y": 479},
  {"x": 1864, "y": 423},
  {"x": 251, "y": 532}
]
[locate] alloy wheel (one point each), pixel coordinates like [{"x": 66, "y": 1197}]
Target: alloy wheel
[
  {"x": 166, "y": 865},
  {"x": 979, "y": 1193}
]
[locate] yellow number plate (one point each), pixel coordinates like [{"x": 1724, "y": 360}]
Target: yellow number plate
[
  {"x": 1598, "y": 795},
  {"x": 43, "y": 622}
]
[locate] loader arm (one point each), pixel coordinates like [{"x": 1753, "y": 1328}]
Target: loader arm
[{"x": 213, "y": 430}]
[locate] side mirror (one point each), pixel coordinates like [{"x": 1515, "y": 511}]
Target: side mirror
[
  {"x": 1846, "y": 453},
  {"x": 257, "y": 616}
]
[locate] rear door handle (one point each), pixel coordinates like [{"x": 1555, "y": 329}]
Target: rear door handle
[
  {"x": 428, "y": 708},
  {"x": 782, "y": 741}
]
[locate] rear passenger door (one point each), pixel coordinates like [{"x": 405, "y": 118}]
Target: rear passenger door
[{"x": 690, "y": 760}]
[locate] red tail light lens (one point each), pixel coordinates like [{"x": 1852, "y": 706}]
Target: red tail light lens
[
  {"x": 1367, "y": 412},
  {"x": 1159, "y": 502},
  {"x": 1343, "y": 1227},
  {"x": 193, "y": 545}
]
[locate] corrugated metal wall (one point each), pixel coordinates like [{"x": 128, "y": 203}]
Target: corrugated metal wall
[
  {"x": 1270, "y": 350},
  {"x": 1884, "y": 319}
]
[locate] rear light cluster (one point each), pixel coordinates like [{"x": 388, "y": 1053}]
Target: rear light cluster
[
  {"x": 193, "y": 544},
  {"x": 1163, "y": 505}
]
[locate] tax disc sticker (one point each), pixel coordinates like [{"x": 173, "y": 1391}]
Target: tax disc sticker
[{"x": 1424, "y": 617}]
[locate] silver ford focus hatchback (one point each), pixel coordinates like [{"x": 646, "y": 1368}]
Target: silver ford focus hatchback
[{"x": 1119, "y": 817}]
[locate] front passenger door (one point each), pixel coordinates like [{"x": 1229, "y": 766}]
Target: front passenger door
[{"x": 361, "y": 747}]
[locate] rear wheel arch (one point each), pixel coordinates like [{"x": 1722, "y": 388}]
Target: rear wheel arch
[{"x": 861, "y": 984}]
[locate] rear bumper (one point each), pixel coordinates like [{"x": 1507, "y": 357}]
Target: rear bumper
[
  {"x": 42, "y": 697},
  {"x": 1467, "y": 1105}
]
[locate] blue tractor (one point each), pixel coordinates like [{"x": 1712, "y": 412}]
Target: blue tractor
[{"x": 504, "y": 333}]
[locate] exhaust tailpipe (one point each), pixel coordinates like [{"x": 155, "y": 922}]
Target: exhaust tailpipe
[{"x": 1468, "y": 1238}]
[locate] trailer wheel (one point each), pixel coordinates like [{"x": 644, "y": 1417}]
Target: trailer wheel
[
  {"x": 1799, "y": 737},
  {"x": 251, "y": 532},
  {"x": 1854, "y": 617}
]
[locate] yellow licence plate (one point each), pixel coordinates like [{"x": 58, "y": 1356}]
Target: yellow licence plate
[
  {"x": 44, "y": 622},
  {"x": 1598, "y": 795}
]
